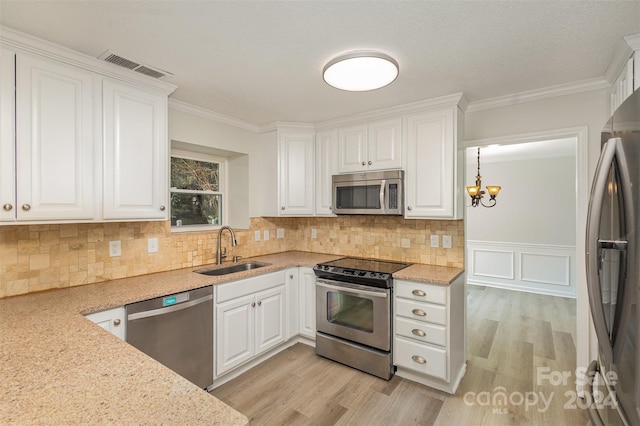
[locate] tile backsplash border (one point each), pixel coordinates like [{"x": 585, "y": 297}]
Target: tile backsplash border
[{"x": 42, "y": 257}]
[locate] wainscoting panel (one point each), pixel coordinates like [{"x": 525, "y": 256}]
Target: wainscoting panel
[{"x": 535, "y": 268}]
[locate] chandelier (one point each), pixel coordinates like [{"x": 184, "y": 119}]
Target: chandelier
[{"x": 477, "y": 194}]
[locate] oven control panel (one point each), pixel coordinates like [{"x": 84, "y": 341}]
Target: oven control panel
[{"x": 378, "y": 279}]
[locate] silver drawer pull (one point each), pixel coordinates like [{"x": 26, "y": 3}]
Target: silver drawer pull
[
  {"x": 418, "y": 293},
  {"x": 419, "y": 312},
  {"x": 419, "y": 359},
  {"x": 418, "y": 332},
  {"x": 116, "y": 322}
]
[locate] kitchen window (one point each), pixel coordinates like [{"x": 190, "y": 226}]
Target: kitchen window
[{"x": 197, "y": 195}]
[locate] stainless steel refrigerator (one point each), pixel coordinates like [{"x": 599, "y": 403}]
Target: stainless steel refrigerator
[{"x": 613, "y": 270}]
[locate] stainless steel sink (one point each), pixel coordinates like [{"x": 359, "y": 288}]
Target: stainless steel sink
[{"x": 238, "y": 267}]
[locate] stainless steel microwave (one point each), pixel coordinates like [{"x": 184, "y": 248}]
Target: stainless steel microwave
[{"x": 379, "y": 193}]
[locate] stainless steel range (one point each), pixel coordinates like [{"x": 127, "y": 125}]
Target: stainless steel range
[{"x": 353, "y": 313}]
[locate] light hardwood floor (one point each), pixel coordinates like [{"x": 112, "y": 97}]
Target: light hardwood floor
[{"x": 519, "y": 345}]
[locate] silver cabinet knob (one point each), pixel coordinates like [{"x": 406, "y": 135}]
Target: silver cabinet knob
[
  {"x": 364, "y": 164},
  {"x": 26, "y": 207},
  {"x": 418, "y": 359},
  {"x": 259, "y": 302},
  {"x": 7, "y": 207},
  {"x": 369, "y": 163},
  {"x": 282, "y": 208},
  {"x": 409, "y": 208},
  {"x": 418, "y": 332},
  {"x": 162, "y": 208},
  {"x": 116, "y": 322},
  {"x": 290, "y": 277},
  {"x": 418, "y": 293},
  {"x": 419, "y": 312},
  {"x": 253, "y": 304}
]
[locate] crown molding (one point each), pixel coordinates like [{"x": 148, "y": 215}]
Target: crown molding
[
  {"x": 211, "y": 115},
  {"x": 456, "y": 99},
  {"x": 540, "y": 94},
  {"x": 30, "y": 44}
]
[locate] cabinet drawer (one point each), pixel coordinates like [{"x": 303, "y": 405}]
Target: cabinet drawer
[
  {"x": 235, "y": 289},
  {"x": 422, "y": 292},
  {"x": 421, "y": 331},
  {"x": 425, "y": 312},
  {"x": 421, "y": 358}
]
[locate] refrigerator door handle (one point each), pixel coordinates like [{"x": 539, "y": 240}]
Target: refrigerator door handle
[
  {"x": 598, "y": 191},
  {"x": 591, "y": 373}
]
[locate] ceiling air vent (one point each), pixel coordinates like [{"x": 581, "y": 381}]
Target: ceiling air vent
[{"x": 116, "y": 59}]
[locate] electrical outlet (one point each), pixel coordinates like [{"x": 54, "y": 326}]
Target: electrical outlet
[
  {"x": 435, "y": 241},
  {"x": 257, "y": 235},
  {"x": 115, "y": 248},
  {"x": 152, "y": 245},
  {"x": 280, "y": 233},
  {"x": 446, "y": 241},
  {"x": 405, "y": 243},
  {"x": 266, "y": 235},
  {"x": 314, "y": 233}
]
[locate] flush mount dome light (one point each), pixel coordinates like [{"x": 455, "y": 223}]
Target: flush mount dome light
[{"x": 360, "y": 71}]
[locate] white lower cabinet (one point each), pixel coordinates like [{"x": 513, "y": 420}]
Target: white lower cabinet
[
  {"x": 250, "y": 319},
  {"x": 429, "y": 333},
  {"x": 112, "y": 320},
  {"x": 307, "y": 302}
]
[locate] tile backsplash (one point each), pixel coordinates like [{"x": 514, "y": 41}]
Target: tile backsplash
[{"x": 41, "y": 257}]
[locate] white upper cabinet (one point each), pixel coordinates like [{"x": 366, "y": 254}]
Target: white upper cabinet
[
  {"x": 80, "y": 139},
  {"x": 623, "y": 87},
  {"x": 55, "y": 141},
  {"x": 136, "y": 152},
  {"x": 433, "y": 167},
  {"x": 373, "y": 146},
  {"x": 326, "y": 160},
  {"x": 7, "y": 135},
  {"x": 287, "y": 157}
]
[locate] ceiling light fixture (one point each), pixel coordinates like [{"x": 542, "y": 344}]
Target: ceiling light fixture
[
  {"x": 476, "y": 194},
  {"x": 360, "y": 71}
]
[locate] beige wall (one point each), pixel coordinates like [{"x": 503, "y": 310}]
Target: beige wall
[{"x": 42, "y": 257}]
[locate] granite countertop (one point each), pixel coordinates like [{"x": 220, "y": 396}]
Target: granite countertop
[{"x": 60, "y": 368}]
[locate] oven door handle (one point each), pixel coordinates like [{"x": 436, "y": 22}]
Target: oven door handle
[{"x": 330, "y": 286}]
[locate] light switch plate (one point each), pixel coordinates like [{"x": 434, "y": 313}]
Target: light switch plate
[
  {"x": 435, "y": 241},
  {"x": 314, "y": 233},
  {"x": 115, "y": 248},
  {"x": 405, "y": 243},
  {"x": 280, "y": 233},
  {"x": 446, "y": 241},
  {"x": 152, "y": 245},
  {"x": 266, "y": 235},
  {"x": 257, "y": 235}
]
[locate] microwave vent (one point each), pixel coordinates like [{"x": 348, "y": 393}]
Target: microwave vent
[{"x": 120, "y": 60}]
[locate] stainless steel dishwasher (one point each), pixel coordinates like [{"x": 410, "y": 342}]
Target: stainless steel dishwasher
[{"x": 177, "y": 331}]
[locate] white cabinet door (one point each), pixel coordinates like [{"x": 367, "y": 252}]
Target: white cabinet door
[
  {"x": 352, "y": 149},
  {"x": 112, "y": 320},
  {"x": 623, "y": 87},
  {"x": 384, "y": 145},
  {"x": 7, "y": 135},
  {"x": 136, "y": 153},
  {"x": 235, "y": 333},
  {"x": 373, "y": 146},
  {"x": 431, "y": 167},
  {"x": 55, "y": 140},
  {"x": 296, "y": 186},
  {"x": 326, "y": 160},
  {"x": 270, "y": 318},
  {"x": 307, "y": 303},
  {"x": 291, "y": 305}
]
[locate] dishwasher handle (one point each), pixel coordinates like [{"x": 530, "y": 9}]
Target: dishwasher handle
[{"x": 169, "y": 309}]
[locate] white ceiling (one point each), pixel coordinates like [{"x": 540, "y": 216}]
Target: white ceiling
[{"x": 260, "y": 61}]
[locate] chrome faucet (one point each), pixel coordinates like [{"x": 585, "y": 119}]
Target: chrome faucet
[{"x": 234, "y": 243}]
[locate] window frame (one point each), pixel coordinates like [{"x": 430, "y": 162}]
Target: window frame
[{"x": 222, "y": 186}]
